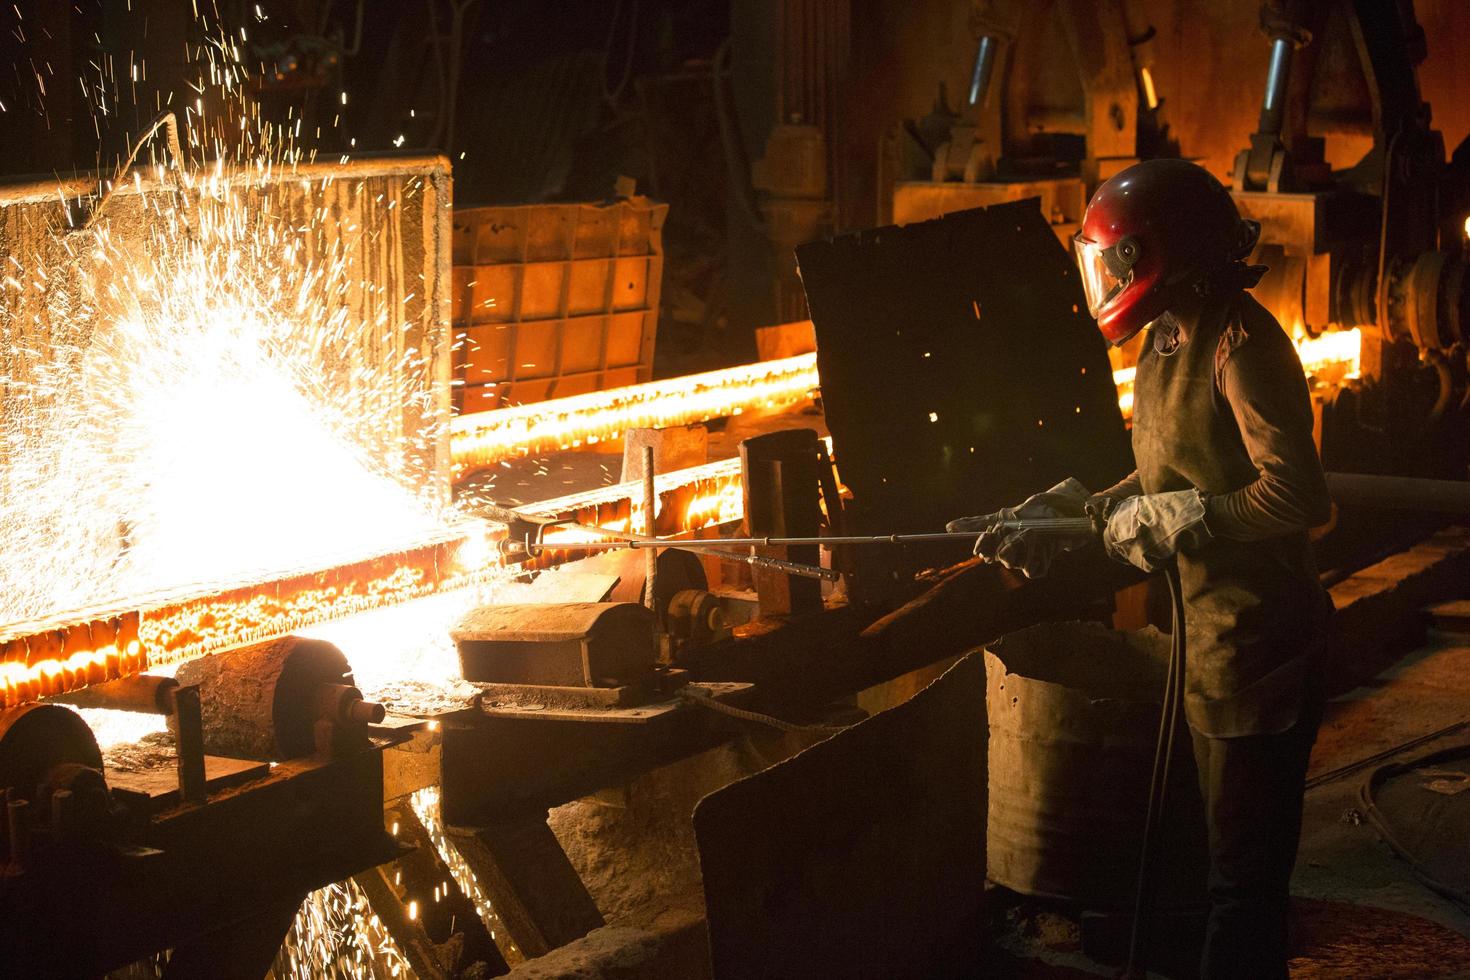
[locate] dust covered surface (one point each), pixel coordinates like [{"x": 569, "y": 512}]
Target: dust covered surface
[
  {"x": 634, "y": 846},
  {"x": 152, "y": 751}
]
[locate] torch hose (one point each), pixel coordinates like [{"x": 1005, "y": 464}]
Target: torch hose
[{"x": 1170, "y": 710}]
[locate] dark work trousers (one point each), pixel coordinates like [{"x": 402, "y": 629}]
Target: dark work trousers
[{"x": 1253, "y": 787}]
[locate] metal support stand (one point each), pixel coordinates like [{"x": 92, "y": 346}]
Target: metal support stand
[{"x": 189, "y": 716}]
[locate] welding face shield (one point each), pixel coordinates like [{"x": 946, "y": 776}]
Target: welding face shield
[
  {"x": 1107, "y": 271},
  {"x": 1151, "y": 233}
]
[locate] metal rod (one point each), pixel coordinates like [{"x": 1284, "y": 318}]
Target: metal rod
[
  {"x": 148, "y": 693},
  {"x": 1058, "y": 525},
  {"x": 984, "y": 65},
  {"x": 1277, "y": 76},
  {"x": 620, "y": 539},
  {"x": 650, "y": 506},
  {"x": 189, "y": 719}
]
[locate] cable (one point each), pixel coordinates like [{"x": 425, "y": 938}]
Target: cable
[
  {"x": 1159, "y": 780},
  {"x": 737, "y": 170},
  {"x": 705, "y": 701},
  {"x": 165, "y": 121},
  {"x": 1388, "y": 753},
  {"x": 1368, "y": 801}
]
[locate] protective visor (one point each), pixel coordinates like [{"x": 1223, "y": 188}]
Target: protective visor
[{"x": 1105, "y": 273}]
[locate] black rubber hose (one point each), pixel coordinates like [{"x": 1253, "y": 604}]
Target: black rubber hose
[
  {"x": 1159, "y": 781},
  {"x": 1367, "y": 798}
]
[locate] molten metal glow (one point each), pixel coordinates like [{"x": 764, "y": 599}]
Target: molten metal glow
[
  {"x": 1337, "y": 352},
  {"x": 1123, "y": 381},
  {"x": 1333, "y": 356},
  {"x": 486, "y": 438},
  {"x": 75, "y": 650},
  {"x": 1150, "y": 94}
]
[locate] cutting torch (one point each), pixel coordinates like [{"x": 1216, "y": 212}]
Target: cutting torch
[{"x": 527, "y": 538}]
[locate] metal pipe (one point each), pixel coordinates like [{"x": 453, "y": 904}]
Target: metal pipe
[
  {"x": 650, "y": 507},
  {"x": 1400, "y": 493},
  {"x": 1058, "y": 525},
  {"x": 146, "y": 693},
  {"x": 189, "y": 716},
  {"x": 1277, "y": 76},
  {"x": 984, "y": 68}
]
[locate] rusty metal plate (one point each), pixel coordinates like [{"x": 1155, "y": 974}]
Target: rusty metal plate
[
  {"x": 960, "y": 370},
  {"x": 863, "y": 856}
]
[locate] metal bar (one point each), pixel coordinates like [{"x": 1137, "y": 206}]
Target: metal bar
[
  {"x": 1400, "y": 493},
  {"x": 650, "y": 509},
  {"x": 1059, "y": 525},
  {"x": 1277, "y": 76},
  {"x": 189, "y": 719},
  {"x": 984, "y": 65}
]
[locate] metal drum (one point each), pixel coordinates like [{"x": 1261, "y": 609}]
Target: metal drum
[{"x": 1074, "y": 714}]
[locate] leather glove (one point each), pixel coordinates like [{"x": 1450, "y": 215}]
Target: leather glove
[
  {"x": 1147, "y": 531},
  {"x": 1029, "y": 552}
]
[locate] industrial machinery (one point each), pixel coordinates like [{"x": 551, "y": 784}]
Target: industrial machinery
[
  {"x": 1378, "y": 247},
  {"x": 205, "y": 854},
  {"x": 1061, "y": 97},
  {"x": 273, "y": 768}
]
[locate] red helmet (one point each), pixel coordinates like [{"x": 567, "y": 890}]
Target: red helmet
[{"x": 1151, "y": 234}]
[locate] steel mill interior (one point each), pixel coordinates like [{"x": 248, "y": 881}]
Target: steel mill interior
[{"x": 559, "y": 489}]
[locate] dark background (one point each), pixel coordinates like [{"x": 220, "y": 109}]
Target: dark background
[{"x": 550, "y": 100}]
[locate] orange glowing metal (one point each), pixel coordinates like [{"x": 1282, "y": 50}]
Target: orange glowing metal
[
  {"x": 486, "y": 438},
  {"x": 1337, "y": 353},
  {"x": 73, "y": 651},
  {"x": 1332, "y": 356}
]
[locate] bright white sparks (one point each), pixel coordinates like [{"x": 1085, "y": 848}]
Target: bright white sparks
[{"x": 205, "y": 386}]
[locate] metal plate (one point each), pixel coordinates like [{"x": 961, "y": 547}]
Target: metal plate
[
  {"x": 960, "y": 369},
  {"x": 540, "y": 704},
  {"x": 863, "y": 856}
]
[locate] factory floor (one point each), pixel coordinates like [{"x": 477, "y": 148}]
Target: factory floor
[{"x": 1358, "y": 910}]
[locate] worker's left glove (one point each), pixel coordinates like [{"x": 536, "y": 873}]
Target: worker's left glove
[
  {"x": 1029, "y": 552},
  {"x": 1148, "y": 530}
]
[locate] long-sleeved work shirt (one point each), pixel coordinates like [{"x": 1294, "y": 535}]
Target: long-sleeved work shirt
[
  {"x": 1264, "y": 393},
  {"x": 1221, "y": 406}
]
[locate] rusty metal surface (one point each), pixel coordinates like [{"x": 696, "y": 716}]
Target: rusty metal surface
[
  {"x": 960, "y": 370},
  {"x": 262, "y": 701},
  {"x": 588, "y": 644},
  {"x": 399, "y": 205},
  {"x": 535, "y": 890},
  {"x": 542, "y": 622},
  {"x": 499, "y": 764},
  {"x": 304, "y": 825},
  {"x": 870, "y": 858},
  {"x": 1074, "y": 714},
  {"x": 552, "y": 300},
  {"x": 442, "y": 938},
  {"x": 36, "y": 737}
]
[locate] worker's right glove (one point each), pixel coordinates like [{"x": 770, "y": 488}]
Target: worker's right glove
[
  {"x": 1148, "y": 530},
  {"x": 1029, "y": 552}
]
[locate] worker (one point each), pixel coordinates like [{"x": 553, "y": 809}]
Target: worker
[{"x": 1227, "y": 485}]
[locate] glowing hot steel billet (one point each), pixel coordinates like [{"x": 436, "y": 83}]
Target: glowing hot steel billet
[
  {"x": 485, "y": 438},
  {"x": 71, "y": 650}
]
